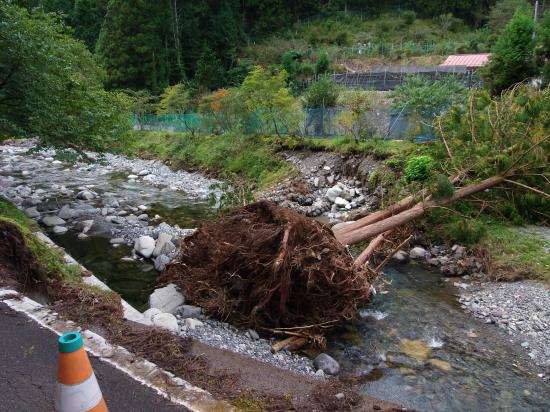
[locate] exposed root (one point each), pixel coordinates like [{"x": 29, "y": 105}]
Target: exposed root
[{"x": 270, "y": 268}]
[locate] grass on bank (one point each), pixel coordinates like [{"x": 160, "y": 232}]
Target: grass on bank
[{"x": 51, "y": 262}]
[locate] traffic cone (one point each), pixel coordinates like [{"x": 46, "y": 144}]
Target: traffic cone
[{"x": 77, "y": 388}]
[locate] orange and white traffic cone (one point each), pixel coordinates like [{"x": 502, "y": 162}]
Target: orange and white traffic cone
[{"x": 77, "y": 388}]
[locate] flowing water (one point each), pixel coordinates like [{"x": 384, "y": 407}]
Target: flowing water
[{"x": 414, "y": 345}]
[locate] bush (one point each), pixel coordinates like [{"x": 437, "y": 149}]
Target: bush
[
  {"x": 419, "y": 168},
  {"x": 467, "y": 231},
  {"x": 323, "y": 63},
  {"x": 444, "y": 188},
  {"x": 409, "y": 17}
]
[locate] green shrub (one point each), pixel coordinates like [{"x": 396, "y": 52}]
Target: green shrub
[
  {"x": 419, "y": 168},
  {"x": 467, "y": 231},
  {"x": 444, "y": 188},
  {"x": 409, "y": 17},
  {"x": 323, "y": 93}
]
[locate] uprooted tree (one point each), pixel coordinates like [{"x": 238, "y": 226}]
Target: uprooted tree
[
  {"x": 488, "y": 143},
  {"x": 270, "y": 268}
]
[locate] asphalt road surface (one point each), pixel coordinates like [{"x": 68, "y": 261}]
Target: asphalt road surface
[{"x": 28, "y": 368}]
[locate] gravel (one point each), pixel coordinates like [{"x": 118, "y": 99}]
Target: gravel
[
  {"x": 224, "y": 336},
  {"x": 521, "y": 308}
]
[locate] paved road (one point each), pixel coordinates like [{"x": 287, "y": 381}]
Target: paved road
[{"x": 28, "y": 366}]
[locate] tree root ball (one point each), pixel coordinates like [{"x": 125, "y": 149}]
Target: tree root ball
[{"x": 269, "y": 268}]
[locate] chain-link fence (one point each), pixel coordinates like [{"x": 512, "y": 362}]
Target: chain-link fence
[
  {"x": 388, "y": 77},
  {"x": 327, "y": 122}
]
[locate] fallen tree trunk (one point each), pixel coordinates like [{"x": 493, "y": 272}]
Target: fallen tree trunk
[{"x": 368, "y": 232}]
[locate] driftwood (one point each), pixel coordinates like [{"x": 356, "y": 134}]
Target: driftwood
[{"x": 292, "y": 344}]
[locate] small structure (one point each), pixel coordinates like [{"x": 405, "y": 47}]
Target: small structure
[{"x": 470, "y": 61}]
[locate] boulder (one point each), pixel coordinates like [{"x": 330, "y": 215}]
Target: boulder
[
  {"x": 333, "y": 193},
  {"x": 162, "y": 240},
  {"x": 327, "y": 364},
  {"x": 167, "y": 299},
  {"x": 144, "y": 245},
  {"x": 417, "y": 252},
  {"x": 32, "y": 212},
  {"x": 192, "y": 324},
  {"x": 160, "y": 262},
  {"x": 149, "y": 313},
  {"x": 52, "y": 221},
  {"x": 85, "y": 195},
  {"x": 341, "y": 202},
  {"x": 166, "y": 321},
  {"x": 67, "y": 213}
]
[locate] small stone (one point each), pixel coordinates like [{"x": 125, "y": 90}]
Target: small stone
[
  {"x": 142, "y": 208},
  {"x": 144, "y": 172},
  {"x": 132, "y": 177},
  {"x": 67, "y": 213},
  {"x": 149, "y": 313},
  {"x": 117, "y": 241},
  {"x": 161, "y": 242},
  {"x": 143, "y": 216},
  {"x": 85, "y": 225},
  {"x": 339, "y": 396},
  {"x": 327, "y": 364},
  {"x": 85, "y": 195},
  {"x": 189, "y": 311},
  {"x": 401, "y": 256},
  {"x": 253, "y": 334},
  {"x": 341, "y": 202},
  {"x": 192, "y": 324},
  {"x": 333, "y": 193},
  {"x": 525, "y": 344}
]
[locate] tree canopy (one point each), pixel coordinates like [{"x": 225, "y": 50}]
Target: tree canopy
[{"x": 50, "y": 86}]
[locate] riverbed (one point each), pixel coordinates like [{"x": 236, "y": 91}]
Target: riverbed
[{"x": 413, "y": 344}]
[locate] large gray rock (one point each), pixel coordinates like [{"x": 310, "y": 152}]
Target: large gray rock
[
  {"x": 168, "y": 299},
  {"x": 32, "y": 212},
  {"x": 333, "y": 193},
  {"x": 60, "y": 230},
  {"x": 417, "y": 252},
  {"x": 149, "y": 313},
  {"x": 193, "y": 324},
  {"x": 327, "y": 364},
  {"x": 166, "y": 321},
  {"x": 160, "y": 262},
  {"x": 67, "y": 213},
  {"x": 144, "y": 245},
  {"x": 52, "y": 221},
  {"x": 161, "y": 242}
]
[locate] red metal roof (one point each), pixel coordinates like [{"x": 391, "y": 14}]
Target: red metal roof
[{"x": 468, "y": 60}]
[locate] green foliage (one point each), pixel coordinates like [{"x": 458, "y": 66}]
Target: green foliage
[
  {"x": 297, "y": 68},
  {"x": 322, "y": 65},
  {"x": 467, "y": 231},
  {"x": 210, "y": 73},
  {"x": 141, "y": 103},
  {"x": 131, "y": 45},
  {"x": 443, "y": 188},
  {"x": 323, "y": 93},
  {"x": 543, "y": 46},
  {"x": 421, "y": 96},
  {"x": 512, "y": 58},
  {"x": 175, "y": 99},
  {"x": 419, "y": 168},
  {"x": 503, "y": 11},
  {"x": 409, "y": 17},
  {"x": 357, "y": 103},
  {"x": 244, "y": 159},
  {"x": 51, "y": 87},
  {"x": 267, "y": 96},
  {"x": 86, "y": 18}
]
